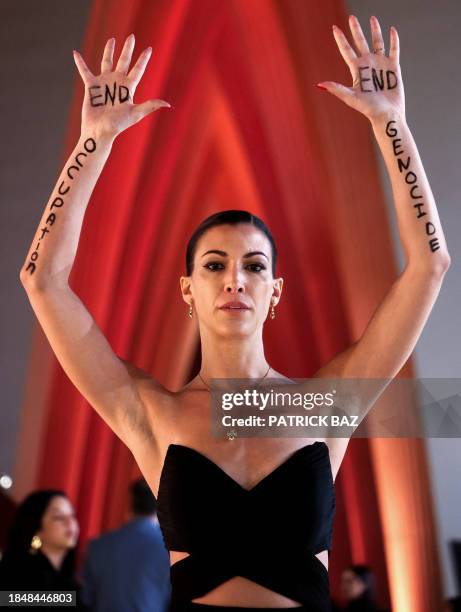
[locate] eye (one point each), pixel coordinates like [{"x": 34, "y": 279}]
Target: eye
[
  {"x": 255, "y": 267},
  {"x": 212, "y": 263}
]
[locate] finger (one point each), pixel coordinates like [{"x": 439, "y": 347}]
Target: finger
[
  {"x": 357, "y": 35},
  {"x": 141, "y": 110},
  {"x": 344, "y": 47},
  {"x": 137, "y": 71},
  {"x": 83, "y": 69},
  {"x": 394, "y": 47},
  {"x": 108, "y": 56},
  {"x": 377, "y": 36},
  {"x": 125, "y": 56},
  {"x": 345, "y": 94},
  {"x": 340, "y": 91}
]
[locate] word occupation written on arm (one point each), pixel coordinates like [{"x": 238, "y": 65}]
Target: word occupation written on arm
[{"x": 90, "y": 147}]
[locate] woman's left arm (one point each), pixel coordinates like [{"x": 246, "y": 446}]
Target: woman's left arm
[
  {"x": 397, "y": 323},
  {"x": 419, "y": 225}
]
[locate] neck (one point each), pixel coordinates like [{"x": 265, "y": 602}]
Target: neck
[
  {"x": 241, "y": 357},
  {"x": 55, "y": 555}
]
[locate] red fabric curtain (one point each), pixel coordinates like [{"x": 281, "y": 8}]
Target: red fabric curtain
[{"x": 248, "y": 130}]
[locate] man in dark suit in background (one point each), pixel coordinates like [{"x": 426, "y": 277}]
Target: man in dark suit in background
[{"x": 129, "y": 569}]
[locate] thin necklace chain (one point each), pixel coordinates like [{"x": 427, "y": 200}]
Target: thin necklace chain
[{"x": 206, "y": 385}]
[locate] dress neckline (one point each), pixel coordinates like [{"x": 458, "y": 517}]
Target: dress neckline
[{"x": 262, "y": 481}]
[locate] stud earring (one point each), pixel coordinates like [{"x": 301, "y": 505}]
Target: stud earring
[
  {"x": 35, "y": 544},
  {"x": 190, "y": 311}
]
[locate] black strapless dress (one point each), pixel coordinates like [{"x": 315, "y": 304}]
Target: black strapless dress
[{"x": 269, "y": 534}]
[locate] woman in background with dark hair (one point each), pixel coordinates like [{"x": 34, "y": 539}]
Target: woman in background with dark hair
[
  {"x": 213, "y": 494},
  {"x": 40, "y": 550},
  {"x": 359, "y": 589}
]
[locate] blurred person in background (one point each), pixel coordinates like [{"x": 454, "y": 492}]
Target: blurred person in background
[
  {"x": 358, "y": 588},
  {"x": 129, "y": 568},
  {"x": 40, "y": 550},
  {"x": 453, "y": 604}
]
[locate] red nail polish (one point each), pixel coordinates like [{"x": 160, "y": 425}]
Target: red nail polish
[{"x": 321, "y": 87}]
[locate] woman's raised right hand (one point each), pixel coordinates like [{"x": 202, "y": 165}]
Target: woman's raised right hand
[{"x": 108, "y": 106}]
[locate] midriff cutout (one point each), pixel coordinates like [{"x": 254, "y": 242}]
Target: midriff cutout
[{"x": 239, "y": 591}]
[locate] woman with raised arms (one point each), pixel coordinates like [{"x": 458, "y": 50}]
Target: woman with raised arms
[{"x": 248, "y": 523}]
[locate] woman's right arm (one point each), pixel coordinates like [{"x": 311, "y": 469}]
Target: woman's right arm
[{"x": 113, "y": 387}]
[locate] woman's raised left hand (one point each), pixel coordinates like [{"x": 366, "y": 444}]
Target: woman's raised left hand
[{"x": 377, "y": 87}]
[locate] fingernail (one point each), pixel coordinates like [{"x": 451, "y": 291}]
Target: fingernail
[{"x": 321, "y": 86}]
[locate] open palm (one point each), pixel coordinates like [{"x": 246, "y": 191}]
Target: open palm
[
  {"x": 377, "y": 86},
  {"x": 108, "y": 106}
]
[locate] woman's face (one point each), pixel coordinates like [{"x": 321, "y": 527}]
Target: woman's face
[
  {"x": 59, "y": 524},
  {"x": 232, "y": 262},
  {"x": 351, "y": 585}
]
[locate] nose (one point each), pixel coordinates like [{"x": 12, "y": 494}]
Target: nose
[
  {"x": 234, "y": 283},
  {"x": 71, "y": 521},
  {"x": 234, "y": 287}
]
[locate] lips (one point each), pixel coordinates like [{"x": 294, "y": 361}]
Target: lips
[{"x": 234, "y": 306}]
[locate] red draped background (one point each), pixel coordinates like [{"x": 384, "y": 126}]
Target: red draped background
[{"x": 248, "y": 130}]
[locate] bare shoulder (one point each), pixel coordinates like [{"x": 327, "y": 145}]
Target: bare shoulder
[
  {"x": 170, "y": 414},
  {"x": 152, "y": 425},
  {"x": 337, "y": 447},
  {"x": 156, "y": 401}
]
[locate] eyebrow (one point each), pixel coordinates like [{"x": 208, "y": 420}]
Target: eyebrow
[{"x": 224, "y": 254}]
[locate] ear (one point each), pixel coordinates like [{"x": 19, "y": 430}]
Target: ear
[
  {"x": 277, "y": 291},
  {"x": 185, "y": 283}
]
